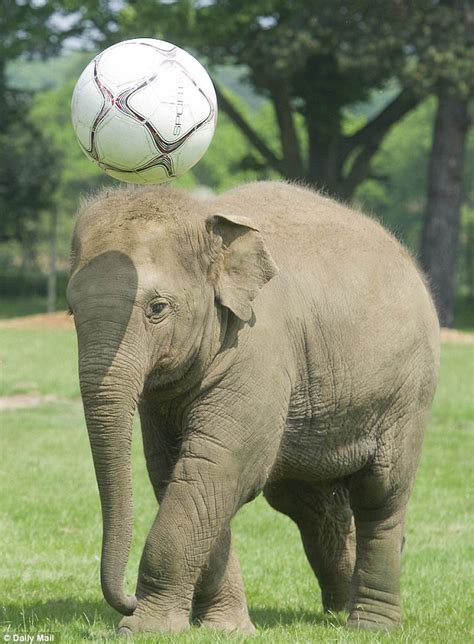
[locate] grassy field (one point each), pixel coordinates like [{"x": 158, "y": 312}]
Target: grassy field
[{"x": 51, "y": 521}]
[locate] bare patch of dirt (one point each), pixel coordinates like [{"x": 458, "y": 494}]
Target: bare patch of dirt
[
  {"x": 456, "y": 337},
  {"x": 58, "y": 320},
  {"x": 21, "y": 401}
]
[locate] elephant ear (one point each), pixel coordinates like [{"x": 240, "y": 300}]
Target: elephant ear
[{"x": 242, "y": 264}]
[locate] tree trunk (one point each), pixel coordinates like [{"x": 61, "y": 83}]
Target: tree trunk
[
  {"x": 292, "y": 165},
  {"x": 324, "y": 160},
  {"x": 442, "y": 218},
  {"x": 52, "y": 273},
  {"x": 4, "y": 120},
  {"x": 469, "y": 260}
]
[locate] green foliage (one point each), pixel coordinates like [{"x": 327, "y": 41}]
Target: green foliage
[
  {"x": 77, "y": 174},
  {"x": 28, "y": 178},
  {"x": 276, "y": 39},
  {"x": 40, "y": 27},
  {"x": 28, "y": 162},
  {"x": 315, "y": 58},
  {"x": 28, "y": 167},
  {"x": 51, "y": 522},
  {"x": 39, "y": 75},
  {"x": 14, "y": 284},
  {"x": 230, "y": 159},
  {"x": 14, "y": 306},
  {"x": 442, "y": 47},
  {"x": 397, "y": 193}
]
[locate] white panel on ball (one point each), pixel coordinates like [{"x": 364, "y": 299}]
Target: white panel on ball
[
  {"x": 128, "y": 64},
  {"x": 124, "y": 143},
  {"x": 174, "y": 88},
  {"x": 197, "y": 72},
  {"x": 84, "y": 136},
  {"x": 87, "y": 103},
  {"x": 192, "y": 150}
]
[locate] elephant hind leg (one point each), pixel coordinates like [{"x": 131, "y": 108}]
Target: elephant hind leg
[
  {"x": 324, "y": 518},
  {"x": 219, "y": 598},
  {"x": 379, "y": 495}
]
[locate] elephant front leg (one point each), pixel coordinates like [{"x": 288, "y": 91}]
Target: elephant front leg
[
  {"x": 219, "y": 599},
  {"x": 196, "y": 509}
]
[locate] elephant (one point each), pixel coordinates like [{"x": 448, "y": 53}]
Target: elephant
[{"x": 273, "y": 341}]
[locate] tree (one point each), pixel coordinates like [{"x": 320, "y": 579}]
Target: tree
[
  {"x": 312, "y": 59},
  {"x": 29, "y": 165},
  {"x": 454, "y": 90},
  {"x": 442, "y": 219},
  {"x": 28, "y": 178},
  {"x": 30, "y": 29},
  {"x": 398, "y": 196},
  {"x": 400, "y": 199}
]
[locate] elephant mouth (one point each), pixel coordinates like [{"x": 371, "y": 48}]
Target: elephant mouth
[
  {"x": 170, "y": 375},
  {"x": 167, "y": 379}
]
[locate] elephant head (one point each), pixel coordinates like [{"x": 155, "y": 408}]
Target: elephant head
[{"x": 153, "y": 278}]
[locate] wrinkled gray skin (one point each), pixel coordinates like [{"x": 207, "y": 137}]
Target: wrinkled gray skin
[{"x": 300, "y": 361}]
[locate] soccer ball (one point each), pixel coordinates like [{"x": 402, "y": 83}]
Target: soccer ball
[{"x": 144, "y": 110}]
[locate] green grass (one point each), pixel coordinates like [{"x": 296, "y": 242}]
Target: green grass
[{"x": 51, "y": 522}]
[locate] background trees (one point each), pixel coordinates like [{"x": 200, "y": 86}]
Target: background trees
[
  {"x": 451, "y": 68},
  {"x": 30, "y": 162},
  {"x": 319, "y": 91},
  {"x": 312, "y": 59}
]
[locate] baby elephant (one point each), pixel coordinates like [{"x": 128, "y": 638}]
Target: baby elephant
[{"x": 273, "y": 341}]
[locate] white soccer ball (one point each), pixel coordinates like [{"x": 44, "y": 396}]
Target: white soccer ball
[{"x": 144, "y": 110}]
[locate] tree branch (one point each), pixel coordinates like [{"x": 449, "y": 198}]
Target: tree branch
[
  {"x": 378, "y": 126},
  {"x": 369, "y": 138},
  {"x": 246, "y": 129}
]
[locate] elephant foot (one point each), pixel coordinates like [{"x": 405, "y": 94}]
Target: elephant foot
[
  {"x": 229, "y": 621},
  {"x": 364, "y": 620},
  {"x": 336, "y": 603},
  {"x": 230, "y": 626},
  {"x": 149, "y": 624}
]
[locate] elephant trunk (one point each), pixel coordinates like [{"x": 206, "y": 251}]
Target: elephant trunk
[{"x": 110, "y": 388}]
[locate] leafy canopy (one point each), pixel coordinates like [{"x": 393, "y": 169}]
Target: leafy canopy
[{"x": 316, "y": 58}]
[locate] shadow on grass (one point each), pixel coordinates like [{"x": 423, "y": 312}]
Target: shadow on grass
[
  {"x": 269, "y": 617},
  {"x": 20, "y": 616},
  {"x": 86, "y": 616}
]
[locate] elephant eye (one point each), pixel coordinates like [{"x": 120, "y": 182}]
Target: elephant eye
[{"x": 155, "y": 309}]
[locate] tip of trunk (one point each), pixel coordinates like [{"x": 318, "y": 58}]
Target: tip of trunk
[{"x": 122, "y": 603}]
